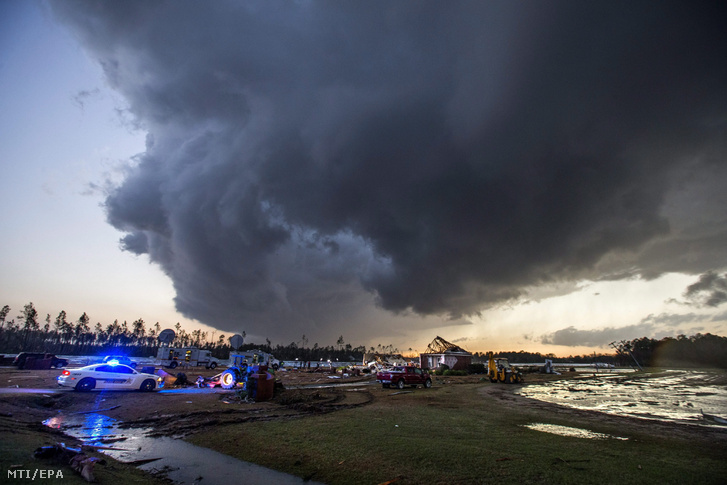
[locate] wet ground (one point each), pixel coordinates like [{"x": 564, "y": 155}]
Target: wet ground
[
  {"x": 141, "y": 427},
  {"x": 572, "y": 432},
  {"x": 125, "y": 420},
  {"x": 672, "y": 396},
  {"x": 175, "y": 459}
]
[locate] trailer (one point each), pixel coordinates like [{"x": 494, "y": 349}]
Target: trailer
[
  {"x": 254, "y": 357},
  {"x": 173, "y": 357}
]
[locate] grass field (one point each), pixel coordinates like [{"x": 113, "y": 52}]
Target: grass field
[
  {"x": 459, "y": 435},
  {"x": 464, "y": 430}
]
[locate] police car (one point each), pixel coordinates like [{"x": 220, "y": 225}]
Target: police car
[
  {"x": 109, "y": 377},
  {"x": 119, "y": 359}
]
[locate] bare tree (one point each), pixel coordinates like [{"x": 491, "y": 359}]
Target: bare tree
[{"x": 3, "y": 315}]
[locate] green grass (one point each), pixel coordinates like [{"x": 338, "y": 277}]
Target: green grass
[{"x": 456, "y": 435}]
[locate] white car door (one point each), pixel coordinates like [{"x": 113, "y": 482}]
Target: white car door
[
  {"x": 102, "y": 375},
  {"x": 125, "y": 377},
  {"x": 112, "y": 377}
]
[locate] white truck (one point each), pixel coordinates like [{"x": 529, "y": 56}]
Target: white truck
[
  {"x": 252, "y": 357},
  {"x": 173, "y": 357}
]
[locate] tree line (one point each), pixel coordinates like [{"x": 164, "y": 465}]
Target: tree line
[
  {"x": 523, "y": 357},
  {"x": 700, "y": 350},
  {"x": 62, "y": 336}
]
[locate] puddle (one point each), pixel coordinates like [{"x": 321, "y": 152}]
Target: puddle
[
  {"x": 678, "y": 396},
  {"x": 177, "y": 460},
  {"x": 26, "y": 390},
  {"x": 194, "y": 390},
  {"x": 571, "y": 432}
]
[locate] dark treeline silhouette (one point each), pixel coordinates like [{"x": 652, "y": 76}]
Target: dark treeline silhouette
[
  {"x": 64, "y": 337},
  {"x": 700, "y": 350},
  {"x": 61, "y": 336},
  {"x": 523, "y": 357}
]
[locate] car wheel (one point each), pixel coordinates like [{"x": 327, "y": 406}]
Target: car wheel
[
  {"x": 400, "y": 384},
  {"x": 228, "y": 379},
  {"x": 148, "y": 385},
  {"x": 427, "y": 383},
  {"x": 86, "y": 384},
  {"x": 213, "y": 365},
  {"x": 173, "y": 364}
]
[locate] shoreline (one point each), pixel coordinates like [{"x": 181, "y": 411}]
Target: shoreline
[{"x": 637, "y": 425}]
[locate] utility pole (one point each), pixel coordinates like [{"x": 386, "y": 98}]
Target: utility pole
[{"x": 622, "y": 348}]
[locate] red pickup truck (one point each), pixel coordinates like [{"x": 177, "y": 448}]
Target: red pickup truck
[{"x": 404, "y": 376}]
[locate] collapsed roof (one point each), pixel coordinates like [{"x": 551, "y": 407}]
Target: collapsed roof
[{"x": 441, "y": 346}]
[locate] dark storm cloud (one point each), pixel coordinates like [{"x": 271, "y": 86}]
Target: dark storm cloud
[
  {"x": 441, "y": 156},
  {"x": 710, "y": 290},
  {"x": 573, "y": 337}
]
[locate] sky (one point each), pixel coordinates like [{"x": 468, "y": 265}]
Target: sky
[{"x": 506, "y": 175}]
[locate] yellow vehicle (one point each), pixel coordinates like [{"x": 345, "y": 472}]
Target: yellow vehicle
[{"x": 499, "y": 370}]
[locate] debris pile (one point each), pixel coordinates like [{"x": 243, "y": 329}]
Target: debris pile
[
  {"x": 377, "y": 362},
  {"x": 75, "y": 457}
]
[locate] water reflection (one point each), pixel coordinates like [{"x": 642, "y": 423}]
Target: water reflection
[
  {"x": 678, "y": 396},
  {"x": 178, "y": 460},
  {"x": 571, "y": 432}
]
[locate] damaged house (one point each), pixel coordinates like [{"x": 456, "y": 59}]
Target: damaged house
[{"x": 440, "y": 352}]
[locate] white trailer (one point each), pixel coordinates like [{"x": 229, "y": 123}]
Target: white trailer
[
  {"x": 173, "y": 357},
  {"x": 252, "y": 357}
]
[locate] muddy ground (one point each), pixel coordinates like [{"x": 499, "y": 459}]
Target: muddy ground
[
  {"x": 174, "y": 409},
  {"x": 627, "y": 424},
  {"x": 184, "y": 410},
  {"x": 28, "y": 397},
  {"x": 180, "y": 410}
]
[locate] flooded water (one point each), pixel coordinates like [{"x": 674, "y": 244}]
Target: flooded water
[
  {"x": 677, "y": 396},
  {"x": 571, "y": 432},
  {"x": 178, "y": 460}
]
